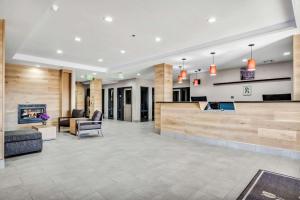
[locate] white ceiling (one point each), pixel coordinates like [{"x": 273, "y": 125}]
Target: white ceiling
[{"x": 35, "y": 32}]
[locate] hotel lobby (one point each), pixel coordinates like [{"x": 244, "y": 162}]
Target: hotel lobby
[{"x": 159, "y": 100}]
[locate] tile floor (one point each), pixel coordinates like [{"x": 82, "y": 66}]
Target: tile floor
[{"x": 132, "y": 163}]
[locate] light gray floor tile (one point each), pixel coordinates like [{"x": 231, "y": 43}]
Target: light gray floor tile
[{"x": 131, "y": 162}]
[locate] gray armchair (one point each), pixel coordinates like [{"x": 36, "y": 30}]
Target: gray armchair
[
  {"x": 65, "y": 121},
  {"x": 93, "y": 124}
]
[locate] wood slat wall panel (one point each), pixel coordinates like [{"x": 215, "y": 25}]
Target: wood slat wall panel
[
  {"x": 296, "y": 67},
  {"x": 65, "y": 87},
  {"x": 96, "y": 96},
  {"x": 163, "y": 88},
  {"x": 30, "y": 85},
  {"x": 254, "y": 123},
  {"x": 79, "y": 96},
  {"x": 2, "y": 88}
]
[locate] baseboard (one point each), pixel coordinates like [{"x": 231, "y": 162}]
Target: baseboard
[
  {"x": 2, "y": 164},
  {"x": 235, "y": 145}
]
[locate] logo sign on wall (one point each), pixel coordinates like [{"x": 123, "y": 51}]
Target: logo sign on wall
[{"x": 247, "y": 90}]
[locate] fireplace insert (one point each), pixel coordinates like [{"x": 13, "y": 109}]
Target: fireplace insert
[{"x": 30, "y": 113}]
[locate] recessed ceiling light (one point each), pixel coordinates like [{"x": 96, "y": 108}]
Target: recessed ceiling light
[
  {"x": 100, "y": 60},
  {"x": 157, "y": 39},
  {"x": 94, "y": 73},
  {"x": 82, "y": 76},
  {"x": 55, "y": 7},
  {"x": 77, "y": 39},
  {"x": 123, "y": 51},
  {"x": 212, "y": 20},
  {"x": 58, "y": 51},
  {"x": 245, "y": 60},
  {"x": 138, "y": 74},
  {"x": 108, "y": 19},
  {"x": 287, "y": 53}
]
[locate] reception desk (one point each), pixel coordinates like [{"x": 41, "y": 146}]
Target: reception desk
[{"x": 255, "y": 125}]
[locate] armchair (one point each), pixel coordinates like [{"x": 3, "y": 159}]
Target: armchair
[
  {"x": 65, "y": 121},
  {"x": 95, "y": 123}
]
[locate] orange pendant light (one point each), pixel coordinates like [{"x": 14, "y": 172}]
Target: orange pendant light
[
  {"x": 251, "y": 62},
  {"x": 196, "y": 83},
  {"x": 183, "y": 72},
  {"x": 213, "y": 66}
]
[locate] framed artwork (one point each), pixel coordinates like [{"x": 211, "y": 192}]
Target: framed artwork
[
  {"x": 247, "y": 90},
  {"x": 247, "y": 75}
]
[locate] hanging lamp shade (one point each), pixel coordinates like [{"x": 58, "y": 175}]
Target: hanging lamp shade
[
  {"x": 213, "y": 66},
  {"x": 251, "y": 65},
  {"x": 196, "y": 82},
  {"x": 179, "y": 79},
  {"x": 251, "y": 62},
  {"x": 183, "y": 74},
  {"x": 213, "y": 70}
]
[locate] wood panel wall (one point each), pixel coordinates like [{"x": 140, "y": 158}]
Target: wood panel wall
[
  {"x": 80, "y": 96},
  {"x": 296, "y": 67},
  {"x": 268, "y": 124},
  {"x": 66, "y": 79},
  {"x": 95, "y": 96},
  {"x": 2, "y": 88},
  {"x": 31, "y": 85},
  {"x": 163, "y": 88}
]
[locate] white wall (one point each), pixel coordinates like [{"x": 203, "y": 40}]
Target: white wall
[
  {"x": 136, "y": 84},
  {"x": 185, "y": 83},
  {"x": 224, "y": 92}
]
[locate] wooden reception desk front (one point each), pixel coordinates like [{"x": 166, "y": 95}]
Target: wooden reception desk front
[{"x": 270, "y": 124}]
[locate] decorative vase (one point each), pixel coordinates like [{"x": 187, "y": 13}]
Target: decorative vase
[{"x": 44, "y": 122}]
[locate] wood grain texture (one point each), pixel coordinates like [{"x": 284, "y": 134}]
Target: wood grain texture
[
  {"x": 95, "y": 96},
  {"x": 254, "y": 123},
  {"x": 65, "y": 103},
  {"x": 163, "y": 87},
  {"x": 48, "y": 132},
  {"x": 79, "y": 96},
  {"x": 296, "y": 67},
  {"x": 31, "y": 85},
  {"x": 2, "y": 86}
]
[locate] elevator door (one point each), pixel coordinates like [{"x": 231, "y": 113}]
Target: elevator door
[
  {"x": 111, "y": 103},
  {"x": 144, "y": 104},
  {"x": 128, "y": 105}
]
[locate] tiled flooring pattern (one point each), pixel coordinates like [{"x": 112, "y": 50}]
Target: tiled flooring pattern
[{"x": 132, "y": 163}]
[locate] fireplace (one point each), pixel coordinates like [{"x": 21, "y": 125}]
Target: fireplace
[{"x": 29, "y": 113}]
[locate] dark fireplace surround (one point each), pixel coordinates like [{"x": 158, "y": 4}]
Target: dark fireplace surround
[{"x": 29, "y": 113}]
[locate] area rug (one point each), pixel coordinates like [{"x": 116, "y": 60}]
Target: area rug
[{"x": 267, "y": 185}]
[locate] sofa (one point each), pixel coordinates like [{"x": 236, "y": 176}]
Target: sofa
[{"x": 22, "y": 142}]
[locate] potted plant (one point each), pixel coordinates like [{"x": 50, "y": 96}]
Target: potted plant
[{"x": 44, "y": 117}]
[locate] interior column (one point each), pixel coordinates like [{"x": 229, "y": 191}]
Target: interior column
[
  {"x": 163, "y": 88},
  {"x": 95, "y": 96},
  {"x": 66, "y": 77},
  {"x": 79, "y": 96},
  {"x": 2, "y": 97},
  {"x": 296, "y": 67}
]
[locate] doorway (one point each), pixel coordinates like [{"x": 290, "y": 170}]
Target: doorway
[
  {"x": 144, "y": 104},
  {"x": 181, "y": 94},
  {"x": 124, "y": 104},
  {"x": 128, "y": 104},
  {"x": 110, "y": 103}
]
